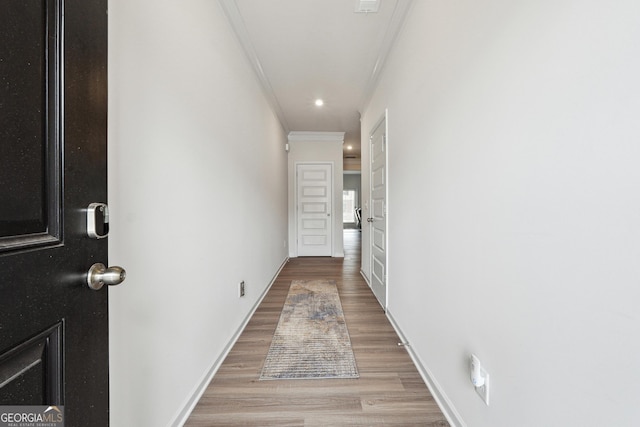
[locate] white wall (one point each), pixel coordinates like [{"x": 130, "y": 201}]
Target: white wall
[
  {"x": 198, "y": 196},
  {"x": 322, "y": 147},
  {"x": 514, "y": 207}
]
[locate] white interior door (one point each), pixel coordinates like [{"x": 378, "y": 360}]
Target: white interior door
[
  {"x": 378, "y": 214},
  {"x": 314, "y": 196}
]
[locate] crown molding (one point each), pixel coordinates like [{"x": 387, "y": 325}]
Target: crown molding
[
  {"x": 398, "y": 18},
  {"x": 317, "y": 136},
  {"x": 232, "y": 12},
  {"x": 234, "y": 16}
]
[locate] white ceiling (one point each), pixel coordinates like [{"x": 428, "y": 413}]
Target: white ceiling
[{"x": 302, "y": 50}]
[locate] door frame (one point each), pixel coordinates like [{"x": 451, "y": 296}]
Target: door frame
[
  {"x": 382, "y": 121},
  {"x": 295, "y": 204}
]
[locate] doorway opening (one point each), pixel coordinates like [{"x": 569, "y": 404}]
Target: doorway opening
[
  {"x": 351, "y": 199},
  {"x": 349, "y": 208}
]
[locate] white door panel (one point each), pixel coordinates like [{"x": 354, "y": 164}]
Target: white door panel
[
  {"x": 378, "y": 240},
  {"x": 317, "y": 175},
  {"x": 316, "y": 241},
  {"x": 378, "y": 270},
  {"x": 314, "y": 191},
  {"x": 378, "y": 220},
  {"x": 311, "y": 224},
  {"x": 314, "y": 207},
  {"x": 377, "y": 178},
  {"x": 314, "y": 197},
  {"x": 377, "y": 208}
]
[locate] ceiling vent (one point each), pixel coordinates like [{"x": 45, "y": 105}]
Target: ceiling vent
[{"x": 367, "y": 6}]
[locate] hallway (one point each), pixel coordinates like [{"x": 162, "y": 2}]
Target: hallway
[{"x": 389, "y": 391}]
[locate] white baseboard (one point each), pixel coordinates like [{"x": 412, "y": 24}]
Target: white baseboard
[
  {"x": 447, "y": 408},
  {"x": 199, "y": 390},
  {"x": 364, "y": 276}
]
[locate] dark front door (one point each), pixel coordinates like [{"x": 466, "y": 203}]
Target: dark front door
[{"x": 53, "y": 121}]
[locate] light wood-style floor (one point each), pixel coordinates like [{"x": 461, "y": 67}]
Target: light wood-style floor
[{"x": 389, "y": 391}]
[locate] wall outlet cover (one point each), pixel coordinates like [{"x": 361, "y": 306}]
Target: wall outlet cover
[{"x": 483, "y": 391}]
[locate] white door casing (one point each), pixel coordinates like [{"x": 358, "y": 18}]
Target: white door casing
[
  {"x": 378, "y": 214},
  {"x": 313, "y": 208}
]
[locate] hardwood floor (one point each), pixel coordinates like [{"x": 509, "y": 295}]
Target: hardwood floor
[{"x": 389, "y": 391}]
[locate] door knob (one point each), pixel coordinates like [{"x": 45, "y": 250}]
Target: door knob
[
  {"x": 99, "y": 275},
  {"x": 369, "y": 219}
]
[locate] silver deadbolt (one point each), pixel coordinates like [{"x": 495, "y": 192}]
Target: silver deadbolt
[
  {"x": 99, "y": 275},
  {"x": 98, "y": 220}
]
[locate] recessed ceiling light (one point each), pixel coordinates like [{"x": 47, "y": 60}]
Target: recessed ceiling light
[{"x": 319, "y": 102}]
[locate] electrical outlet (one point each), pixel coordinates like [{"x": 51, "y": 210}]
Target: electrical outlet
[
  {"x": 479, "y": 378},
  {"x": 483, "y": 391},
  {"x": 241, "y": 289}
]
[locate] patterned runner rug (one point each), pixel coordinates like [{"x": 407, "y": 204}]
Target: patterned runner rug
[{"x": 311, "y": 339}]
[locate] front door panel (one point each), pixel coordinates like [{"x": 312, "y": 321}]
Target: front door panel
[
  {"x": 30, "y": 90},
  {"x": 31, "y": 373},
  {"x": 53, "y": 328}
]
